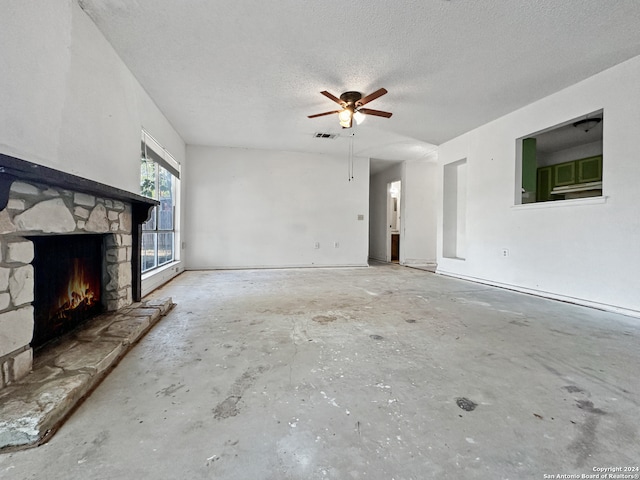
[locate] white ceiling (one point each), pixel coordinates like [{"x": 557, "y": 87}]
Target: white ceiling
[{"x": 246, "y": 73}]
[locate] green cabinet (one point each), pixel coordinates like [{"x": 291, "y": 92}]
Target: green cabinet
[
  {"x": 544, "y": 184},
  {"x": 581, "y": 171},
  {"x": 589, "y": 169},
  {"x": 564, "y": 174}
]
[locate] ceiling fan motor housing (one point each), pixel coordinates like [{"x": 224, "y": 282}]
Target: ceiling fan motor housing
[{"x": 350, "y": 97}]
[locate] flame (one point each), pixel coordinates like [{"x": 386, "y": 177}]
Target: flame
[{"x": 79, "y": 290}]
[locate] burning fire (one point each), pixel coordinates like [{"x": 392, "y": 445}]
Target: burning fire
[{"x": 80, "y": 292}]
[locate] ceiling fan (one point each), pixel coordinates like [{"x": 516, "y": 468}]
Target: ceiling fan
[{"x": 352, "y": 103}]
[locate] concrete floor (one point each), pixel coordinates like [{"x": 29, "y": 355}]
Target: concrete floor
[{"x": 360, "y": 373}]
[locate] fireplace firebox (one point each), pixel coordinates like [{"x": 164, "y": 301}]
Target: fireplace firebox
[{"x": 67, "y": 283}]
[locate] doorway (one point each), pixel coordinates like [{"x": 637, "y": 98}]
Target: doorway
[{"x": 394, "y": 195}]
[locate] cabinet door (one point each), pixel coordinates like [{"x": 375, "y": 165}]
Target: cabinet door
[
  {"x": 395, "y": 247},
  {"x": 564, "y": 174},
  {"x": 590, "y": 169},
  {"x": 543, "y": 184}
]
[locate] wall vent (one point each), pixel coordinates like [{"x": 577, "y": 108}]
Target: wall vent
[{"x": 324, "y": 135}]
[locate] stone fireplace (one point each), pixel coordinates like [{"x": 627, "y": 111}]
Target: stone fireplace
[{"x": 51, "y": 222}]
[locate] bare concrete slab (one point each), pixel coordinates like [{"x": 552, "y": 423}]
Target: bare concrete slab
[
  {"x": 66, "y": 371},
  {"x": 373, "y": 373}
]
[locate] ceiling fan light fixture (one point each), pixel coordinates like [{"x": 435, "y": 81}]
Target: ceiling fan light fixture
[
  {"x": 351, "y": 104},
  {"x": 345, "y": 117},
  {"x": 587, "y": 124},
  {"x": 359, "y": 117}
]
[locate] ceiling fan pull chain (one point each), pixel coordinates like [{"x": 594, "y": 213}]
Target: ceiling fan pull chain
[
  {"x": 351, "y": 156},
  {"x": 349, "y": 162},
  {"x": 353, "y": 135}
]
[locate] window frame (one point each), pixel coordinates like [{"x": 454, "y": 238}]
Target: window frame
[
  {"x": 163, "y": 165},
  {"x": 528, "y": 174}
]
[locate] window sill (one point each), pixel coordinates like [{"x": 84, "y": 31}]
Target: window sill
[
  {"x": 562, "y": 203},
  {"x": 163, "y": 268},
  {"x": 158, "y": 277}
]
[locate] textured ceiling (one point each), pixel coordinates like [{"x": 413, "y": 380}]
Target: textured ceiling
[{"x": 246, "y": 73}]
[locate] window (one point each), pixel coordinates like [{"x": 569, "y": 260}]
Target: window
[
  {"x": 563, "y": 162},
  {"x": 159, "y": 177}
]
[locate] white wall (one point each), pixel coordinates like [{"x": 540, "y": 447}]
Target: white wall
[
  {"x": 581, "y": 250},
  {"x": 260, "y": 208},
  {"x": 419, "y": 196},
  {"x": 417, "y": 210},
  {"x": 68, "y": 101}
]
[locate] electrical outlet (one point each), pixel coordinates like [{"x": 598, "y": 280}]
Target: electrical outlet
[
  {"x": 505, "y": 252},
  {"x": 316, "y": 245},
  {"x": 336, "y": 245}
]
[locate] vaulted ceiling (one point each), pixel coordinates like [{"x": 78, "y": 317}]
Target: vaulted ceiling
[{"x": 246, "y": 73}]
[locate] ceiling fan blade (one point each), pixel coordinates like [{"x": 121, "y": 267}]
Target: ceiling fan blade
[
  {"x": 372, "y": 96},
  {"x": 332, "y": 97},
  {"x": 323, "y": 114},
  {"x": 377, "y": 113}
]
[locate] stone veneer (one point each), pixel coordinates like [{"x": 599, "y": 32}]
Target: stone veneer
[{"x": 35, "y": 209}]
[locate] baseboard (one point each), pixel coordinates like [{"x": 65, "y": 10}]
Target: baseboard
[
  {"x": 419, "y": 261},
  {"x": 271, "y": 267},
  {"x": 541, "y": 293}
]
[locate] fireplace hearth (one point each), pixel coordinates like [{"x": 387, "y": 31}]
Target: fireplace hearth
[{"x": 69, "y": 249}]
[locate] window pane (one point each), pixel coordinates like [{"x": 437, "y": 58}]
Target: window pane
[
  {"x": 148, "y": 251},
  {"x": 148, "y": 175},
  {"x": 165, "y": 183},
  {"x": 165, "y": 247},
  {"x": 165, "y": 219},
  {"x": 158, "y": 232}
]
